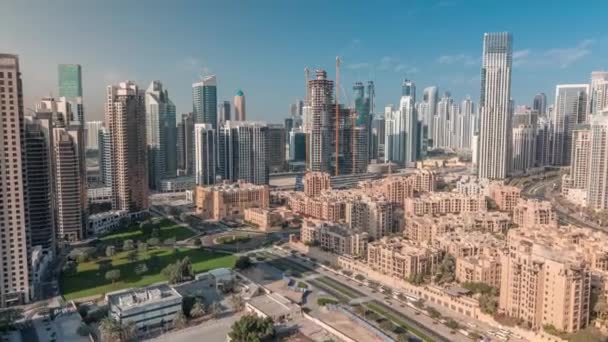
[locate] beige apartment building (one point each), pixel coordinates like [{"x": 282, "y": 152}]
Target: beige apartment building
[
  {"x": 229, "y": 200},
  {"x": 264, "y": 219},
  {"x": 334, "y": 237},
  {"x": 426, "y": 228},
  {"x": 479, "y": 269},
  {"x": 505, "y": 196},
  {"x": 373, "y": 215},
  {"x": 465, "y": 243},
  {"x": 14, "y": 271},
  {"x": 316, "y": 182},
  {"x": 126, "y": 120},
  {"x": 441, "y": 203},
  {"x": 544, "y": 285},
  {"x": 397, "y": 257},
  {"x": 532, "y": 212}
]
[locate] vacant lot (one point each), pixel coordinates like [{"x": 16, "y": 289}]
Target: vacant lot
[{"x": 90, "y": 280}]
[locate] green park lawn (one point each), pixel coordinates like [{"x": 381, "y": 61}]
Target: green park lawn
[
  {"x": 167, "y": 230},
  {"x": 89, "y": 280}
]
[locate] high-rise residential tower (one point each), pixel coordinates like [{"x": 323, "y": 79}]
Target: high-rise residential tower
[
  {"x": 597, "y": 186},
  {"x": 320, "y": 123},
  {"x": 243, "y": 151},
  {"x": 239, "y": 106},
  {"x": 539, "y": 104},
  {"x": 570, "y": 110},
  {"x": 92, "y": 134},
  {"x": 276, "y": 148},
  {"x": 427, "y": 110},
  {"x": 15, "y": 247},
  {"x": 126, "y": 120},
  {"x": 494, "y": 109},
  {"x": 161, "y": 135},
  {"x": 185, "y": 145},
  {"x": 524, "y": 142},
  {"x": 224, "y": 112},
  {"x": 204, "y": 98},
  {"x": 38, "y": 142},
  {"x": 105, "y": 156},
  {"x": 204, "y": 154},
  {"x": 599, "y": 92}
]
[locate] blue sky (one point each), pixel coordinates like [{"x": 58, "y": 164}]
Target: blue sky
[{"x": 263, "y": 46}]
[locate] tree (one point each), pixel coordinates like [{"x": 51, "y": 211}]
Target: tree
[
  {"x": 197, "y": 242},
  {"x": 386, "y": 325},
  {"x": 179, "y": 271},
  {"x": 128, "y": 331},
  {"x": 170, "y": 241},
  {"x": 252, "y": 328},
  {"x": 198, "y": 309},
  {"x": 445, "y": 272},
  {"x": 9, "y": 316},
  {"x": 237, "y": 302},
  {"x": 488, "y": 303},
  {"x": 109, "y": 329},
  {"x": 601, "y": 307},
  {"x": 141, "y": 268},
  {"x": 83, "y": 330},
  {"x": 142, "y": 247},
  {"x": 433, "y": 313},
  {"x": 153, "y": 241},
  {"x": 242, "y": 262},
  {"x": 452, "y": 324},
  {"x": 172, "y": 273},
  {"x": 403, "y": 337},
  {"x": 113, "y": 275},
  {"x": 360, "y": 277},
  {"x": 216, "y": 309},
  {"x": 180, "y": 321},
  {"x": 110, "y": 251},
  {"x": 173, "y": 211},
  {"x": 127, "y": 245},
  {"x": 132, "y": 256}
]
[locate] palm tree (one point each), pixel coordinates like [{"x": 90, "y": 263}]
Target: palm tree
[
  {"x": 128, "y": 331},
  {"x": 198, "y": 309},
  {"x": 109, "y": 329},
  {"x": 237, "y": 302},
  {"x": 216, "y": 309},
  {"x": 252, "y": 328},
  {"x": 180, "y": 321}
]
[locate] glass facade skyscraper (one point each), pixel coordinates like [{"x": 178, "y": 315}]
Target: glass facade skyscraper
[
  {"x": 204, "y": 99},
  {"x": 70, "y": 81}
]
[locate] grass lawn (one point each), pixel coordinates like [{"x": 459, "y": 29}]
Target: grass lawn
[
  {"x": 167, "y": 230},
  {"x": 90, "y": 281}
]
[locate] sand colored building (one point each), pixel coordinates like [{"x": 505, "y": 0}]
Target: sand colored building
[
  {"x": 505, "y": 196},
  {"x": 543, "y": 284},
  {"x": 463, "y": 243},
  {"x": 531, "y": 212},
  {"x": 229, "y": 200},
  {"x": 316, "y": 182},
  {"x": 441, "y": 203},
  {"x": 480, "y": 269},
  {"x": 334, "y": 237},
  {"x": 401, "y": 258}
]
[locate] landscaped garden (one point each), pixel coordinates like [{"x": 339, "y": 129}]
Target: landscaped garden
[{"x": 134, "y": 257}]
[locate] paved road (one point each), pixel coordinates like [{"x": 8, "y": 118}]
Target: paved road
[
  {"x": 212, "y": 330},
  {"x": 542, "y": 190},
  {"x": 407, "y": 314}
]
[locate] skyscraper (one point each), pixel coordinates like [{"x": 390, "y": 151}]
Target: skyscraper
[
  {"x": 224, "y": 112},
  {"x": 320, "y": 123},
  {"x": 464, "y": 124},
  {"x": 92, "y": 134},
  {"x": 408, "y": 114},
  {"x": 524, "y": 142},
  {"x": 239, "y": 106},
  {"x": 161, "y": 135},
  {"x": 243, "y": 151},
  {"x": 297, "y": 145},
  {"x": 599, "y": 92},
  {"x": 204, "y": 98},
  {"x": 570, "y": 110},
  {"x": 185, "y": 145},
  {"x": 38, "y": 142},
  {"x": 495, "y": 129},
  {"x": 126, "y": 120},
  {"x": 15, "y": 248},
  {"x": 70, "y": 87},
  {"x": 70, "y": 81},
  {"x": 276, "y": 148},
  {"x": 204, "y": 154},
  {"x": 443, "y": 122},
  {"x": 69, "y": 183},
  {"x": 539, "y": 104},
  {"x": 105, "y": 156},
  {"x": 378, "y": 136},
  {"x": 427, "y": 110},
  {"x": 597, "y": 190}
]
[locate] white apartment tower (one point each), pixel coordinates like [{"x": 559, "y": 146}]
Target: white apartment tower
[
  {"x": 495, "y": 115},
  {"x": 92, "y": 133},
  {"x": 597, "y": 190}
]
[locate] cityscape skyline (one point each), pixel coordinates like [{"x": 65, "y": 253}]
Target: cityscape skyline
[{"x": 542, "y": 56}]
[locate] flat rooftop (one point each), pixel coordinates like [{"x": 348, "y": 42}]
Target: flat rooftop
[
  {"x": 133, "y": 298},
  {"x": 273, "y": 304}
]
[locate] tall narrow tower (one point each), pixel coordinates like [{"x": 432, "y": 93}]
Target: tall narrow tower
[
  {"x": 204, "y": 98},
  {"x": 320, "y": 122},
  {"x": 14, "y": 275},
  {"x": 239, "y": 106},
  {"x": 495, "y": 131}
]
